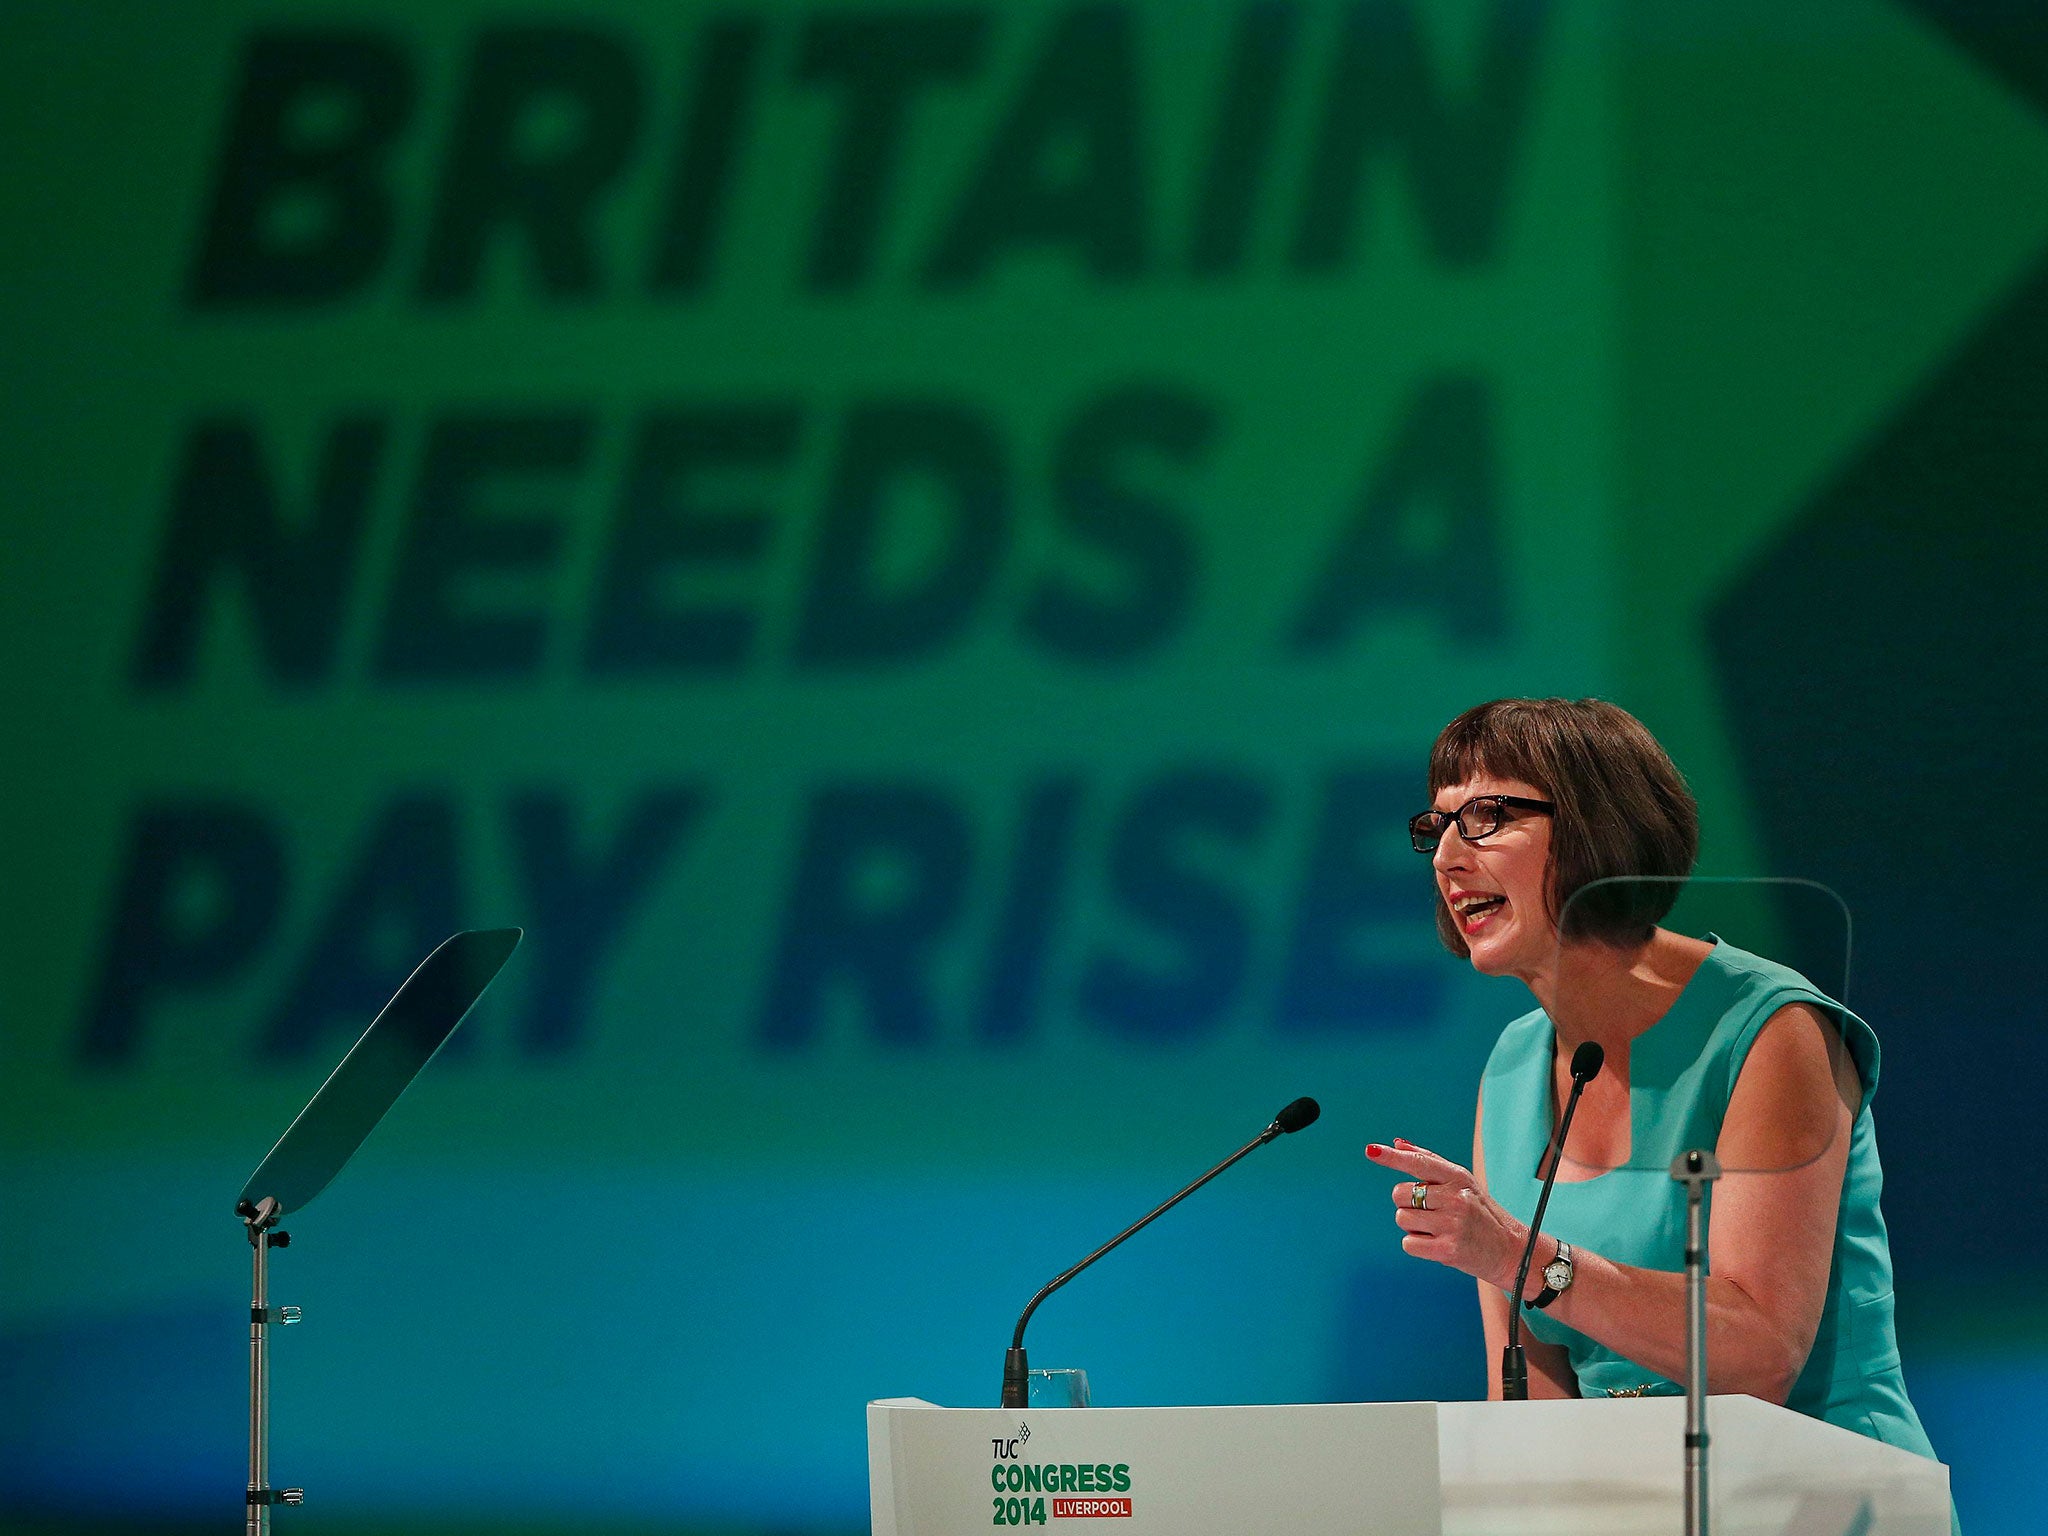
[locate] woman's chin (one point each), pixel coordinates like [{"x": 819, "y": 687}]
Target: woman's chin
[{"x": 1491, "y": 948}]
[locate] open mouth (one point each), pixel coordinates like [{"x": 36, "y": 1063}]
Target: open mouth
[{"x": 1474, "y": 909}]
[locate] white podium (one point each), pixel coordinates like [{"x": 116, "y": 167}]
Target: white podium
[{"x": 1391, "y": 1469}]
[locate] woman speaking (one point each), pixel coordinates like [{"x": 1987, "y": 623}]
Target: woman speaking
[{"x": 1533, "y": 801}]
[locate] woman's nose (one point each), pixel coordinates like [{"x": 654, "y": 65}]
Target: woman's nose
[{"x": 1452, "y": 851}]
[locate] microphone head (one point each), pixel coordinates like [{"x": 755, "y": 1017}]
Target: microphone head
[
  {"x": 1587, "y": 1061},
  {"x": 1302, "y": 1112}
]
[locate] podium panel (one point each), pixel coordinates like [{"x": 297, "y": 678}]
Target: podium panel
[
  {"x": 1316, "y": 1469},
  {"x": 1608, "y": 1467},
  {"x": 1614, "y": 1467}
]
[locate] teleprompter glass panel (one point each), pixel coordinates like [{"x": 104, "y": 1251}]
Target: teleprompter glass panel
[
  {"x": 403, "y": 1038},
  {"x": 1721, "y": 1007}
]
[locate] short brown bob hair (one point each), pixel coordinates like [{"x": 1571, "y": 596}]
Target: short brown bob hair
[{"x": 1623, "y": 807}]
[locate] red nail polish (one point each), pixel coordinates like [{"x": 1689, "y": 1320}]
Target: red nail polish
[
  {"x": 1404, "y": 1144},
  {"x": 1373, "y": 1149}
]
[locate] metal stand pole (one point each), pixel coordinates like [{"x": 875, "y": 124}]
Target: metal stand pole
[
  {"x": 1695, "y": 1170},
  {"x": 260, "y": 1218}
]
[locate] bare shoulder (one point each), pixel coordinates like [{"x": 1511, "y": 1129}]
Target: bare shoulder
[
  {"x": 1796, "y": 1094},
  {"x": 1803, "y": 1043}
]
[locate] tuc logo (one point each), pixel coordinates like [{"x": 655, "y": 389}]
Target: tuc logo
[{"x": 1021, "y": 1488}]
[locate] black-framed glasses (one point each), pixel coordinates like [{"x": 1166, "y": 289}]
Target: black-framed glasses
[{"x": 1481, "y": 816}]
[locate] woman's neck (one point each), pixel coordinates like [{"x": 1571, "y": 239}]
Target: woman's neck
[{"x": 1594, "y": 991}]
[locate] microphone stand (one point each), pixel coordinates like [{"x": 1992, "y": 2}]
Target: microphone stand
[
  {"x": 1514, "y": 1360},
  {"x": 1695, "y": 1170},
  {"x": 1016, "y": 1364}
]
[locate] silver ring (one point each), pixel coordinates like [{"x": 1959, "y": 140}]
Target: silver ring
[{"x": 1418, "y": 1196}]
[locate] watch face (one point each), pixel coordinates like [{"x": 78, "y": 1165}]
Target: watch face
[{"x": 1557, "y": 1274}]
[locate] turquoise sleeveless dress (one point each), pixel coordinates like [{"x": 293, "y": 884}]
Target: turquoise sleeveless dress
[{"x": 1682, "y": 1071}]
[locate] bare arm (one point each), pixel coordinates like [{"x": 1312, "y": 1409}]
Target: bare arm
[{"x": 1771, "y": 1235}]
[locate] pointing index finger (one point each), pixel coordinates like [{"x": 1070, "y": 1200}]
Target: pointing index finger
[{"x": 1416, "y": 1162}]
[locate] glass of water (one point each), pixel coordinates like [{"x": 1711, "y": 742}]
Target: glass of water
[{"x": 1059, "y": 1388}]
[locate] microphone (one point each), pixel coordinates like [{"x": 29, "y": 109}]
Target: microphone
[
  {"x": 1016, "y": 1367},
  {"x": 1514, "y": 1361}
]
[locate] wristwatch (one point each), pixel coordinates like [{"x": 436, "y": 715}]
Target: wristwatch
[{"x": 1557, "y": 1276}]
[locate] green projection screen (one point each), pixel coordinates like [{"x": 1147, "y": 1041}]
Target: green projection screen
[{"x": 918, "y": 551}]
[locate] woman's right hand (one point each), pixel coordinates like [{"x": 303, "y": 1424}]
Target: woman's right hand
[{"x": 1457, "y": 1224}]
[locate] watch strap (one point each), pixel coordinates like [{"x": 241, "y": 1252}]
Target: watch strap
[{"x": 1550, "y": 1292}]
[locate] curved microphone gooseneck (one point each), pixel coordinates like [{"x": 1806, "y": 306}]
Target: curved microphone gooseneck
[
  {"x": 1016, "y": 1367},
  {"x": 1514, "y": 1362}
]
